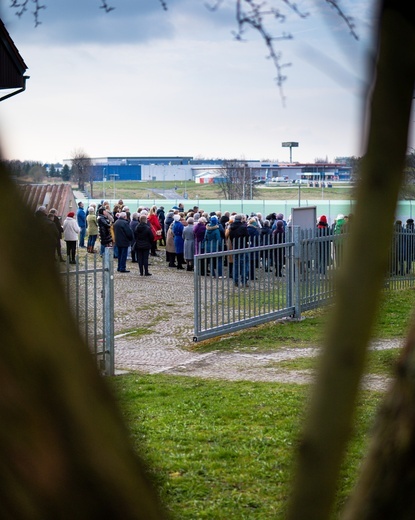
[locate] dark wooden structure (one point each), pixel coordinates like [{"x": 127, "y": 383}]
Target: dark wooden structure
[{"x": 12, "y": 66}]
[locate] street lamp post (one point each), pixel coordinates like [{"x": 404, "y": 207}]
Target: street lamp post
[
  {"x": 250, "y": 181},
  {"x": 243, "y": 185},
  {"x": 113, "y": 176},
  {"x": 185, "y": 183}
]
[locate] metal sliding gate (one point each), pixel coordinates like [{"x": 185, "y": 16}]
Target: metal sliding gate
[
  {"x": 244, "y": 287},
  {"x": 89, "y": 287}
]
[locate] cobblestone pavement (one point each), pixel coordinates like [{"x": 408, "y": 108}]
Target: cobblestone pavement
[{"x": 154, "y": 334}]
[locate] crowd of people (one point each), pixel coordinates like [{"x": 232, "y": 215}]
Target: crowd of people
[{"x": 138, "y": 235}]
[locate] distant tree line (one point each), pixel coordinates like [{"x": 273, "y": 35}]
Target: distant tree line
[
  {"x": 407, "y": 191},
  {"x": 37, "y": 171}
]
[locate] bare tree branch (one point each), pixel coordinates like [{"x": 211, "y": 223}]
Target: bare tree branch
[
  {"x": 348, "y": 19},
  {"x": 22, "y": 7},
  {"x": 250, "y": 14},
  {"x": 105, "y": 6}
]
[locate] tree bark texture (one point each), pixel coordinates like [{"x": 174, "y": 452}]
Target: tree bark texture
[
  {"x": 64, "y": 451},
  {"x": 360, "y": 280},
  {"x": 386, "y": 486}
]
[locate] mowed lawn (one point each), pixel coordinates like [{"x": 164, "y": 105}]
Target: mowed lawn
[
  {"x": 225, "y": 450},
  {"x": 222, "y": 450}
]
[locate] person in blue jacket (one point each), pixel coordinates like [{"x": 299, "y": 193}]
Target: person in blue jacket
[
  {"x": 81, "y": 220},
  {"x": 213, "y": 243},
  {"x": 177, "y": 229}
]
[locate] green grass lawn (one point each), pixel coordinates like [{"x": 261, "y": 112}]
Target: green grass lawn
[
  {"x": 151, "y": 189},
  {"x": 224, "y": 450},
  {"x": 379, "y": 362},
  {"x": 392, "y": 322}
]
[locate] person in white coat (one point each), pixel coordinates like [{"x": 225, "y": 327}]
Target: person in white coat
[{"x": 70, "y": 235}]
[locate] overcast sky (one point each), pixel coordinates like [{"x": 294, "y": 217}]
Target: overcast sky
[{"x": 143, "y": 81}]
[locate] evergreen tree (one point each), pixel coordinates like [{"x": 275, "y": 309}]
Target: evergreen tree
[
  {"x": 52, "y": 171},
  {"x": 66, "y": 173}
]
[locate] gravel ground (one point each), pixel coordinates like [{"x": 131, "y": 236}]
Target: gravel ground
[{"x": 162, "y": 305}]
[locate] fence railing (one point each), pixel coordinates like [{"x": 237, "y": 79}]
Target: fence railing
[
  {"x": 245, "y": 286},
  {"x": 89, "y": 287}
]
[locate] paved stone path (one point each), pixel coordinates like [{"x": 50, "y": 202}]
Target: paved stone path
[{"x": 154, "y": 332}]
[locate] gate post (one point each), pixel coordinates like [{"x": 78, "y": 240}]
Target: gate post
[
  {"x": 196, "y": 281},
  {"x": 296, "y": 275},
  {"x": 108, "y": 311}
]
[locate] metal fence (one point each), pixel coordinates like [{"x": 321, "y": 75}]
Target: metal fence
[
  {"x": 239, "y": 288},
  {"x": 89, "y": 287}
]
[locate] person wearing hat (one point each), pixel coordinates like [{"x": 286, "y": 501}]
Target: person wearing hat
[
  {"x": 323, "y": 230},
  {"x": 213, "y": 243},
  {"x": 339, "y": 229},
  {"x": 70, "y": 235}
]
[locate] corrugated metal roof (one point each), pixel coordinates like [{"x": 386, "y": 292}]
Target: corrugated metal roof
[{"x": 58, "y": 196}]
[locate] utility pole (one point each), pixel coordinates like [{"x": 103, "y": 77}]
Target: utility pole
[
  {"x": 243, "y": 185},
  {"x": 250, "y": 180}
]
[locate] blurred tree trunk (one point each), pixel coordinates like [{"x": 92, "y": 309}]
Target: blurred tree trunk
[
  {"x": 64, "y": 451},
  {"x": 386, "y": 486},
  {"x": 359, "y": 283}
]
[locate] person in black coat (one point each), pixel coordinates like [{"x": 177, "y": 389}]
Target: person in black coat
[
  {"x": 162, "y": 217},
  {"x": 53, "y": 215},
  {"x": 279, "y": 257},
  {"x": 133, "y": 224},
  {"x": 143, "y": 241},
  {"x": 324, "y": 245},
  {"x": 239, "y": 238},
  {"x": 123, "y": 238},
  {"x": 104, "y": 226},
  {"x": 50, "y": 233},
  {"x": 265, "y": 239}
]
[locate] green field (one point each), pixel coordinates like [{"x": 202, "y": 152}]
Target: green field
[
  {"x": 153, "y": 189},
  {"x": 224, "y": 450}
]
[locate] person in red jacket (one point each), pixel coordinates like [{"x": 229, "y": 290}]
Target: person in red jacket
[{"x": 155, "y": 225}]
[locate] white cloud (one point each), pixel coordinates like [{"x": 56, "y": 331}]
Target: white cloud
[{"x": 179, "y": 84}]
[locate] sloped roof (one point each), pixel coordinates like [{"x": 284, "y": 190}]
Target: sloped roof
[
  {"x": 58, "y": 196},
  {"x": 12, "y": 66}
]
